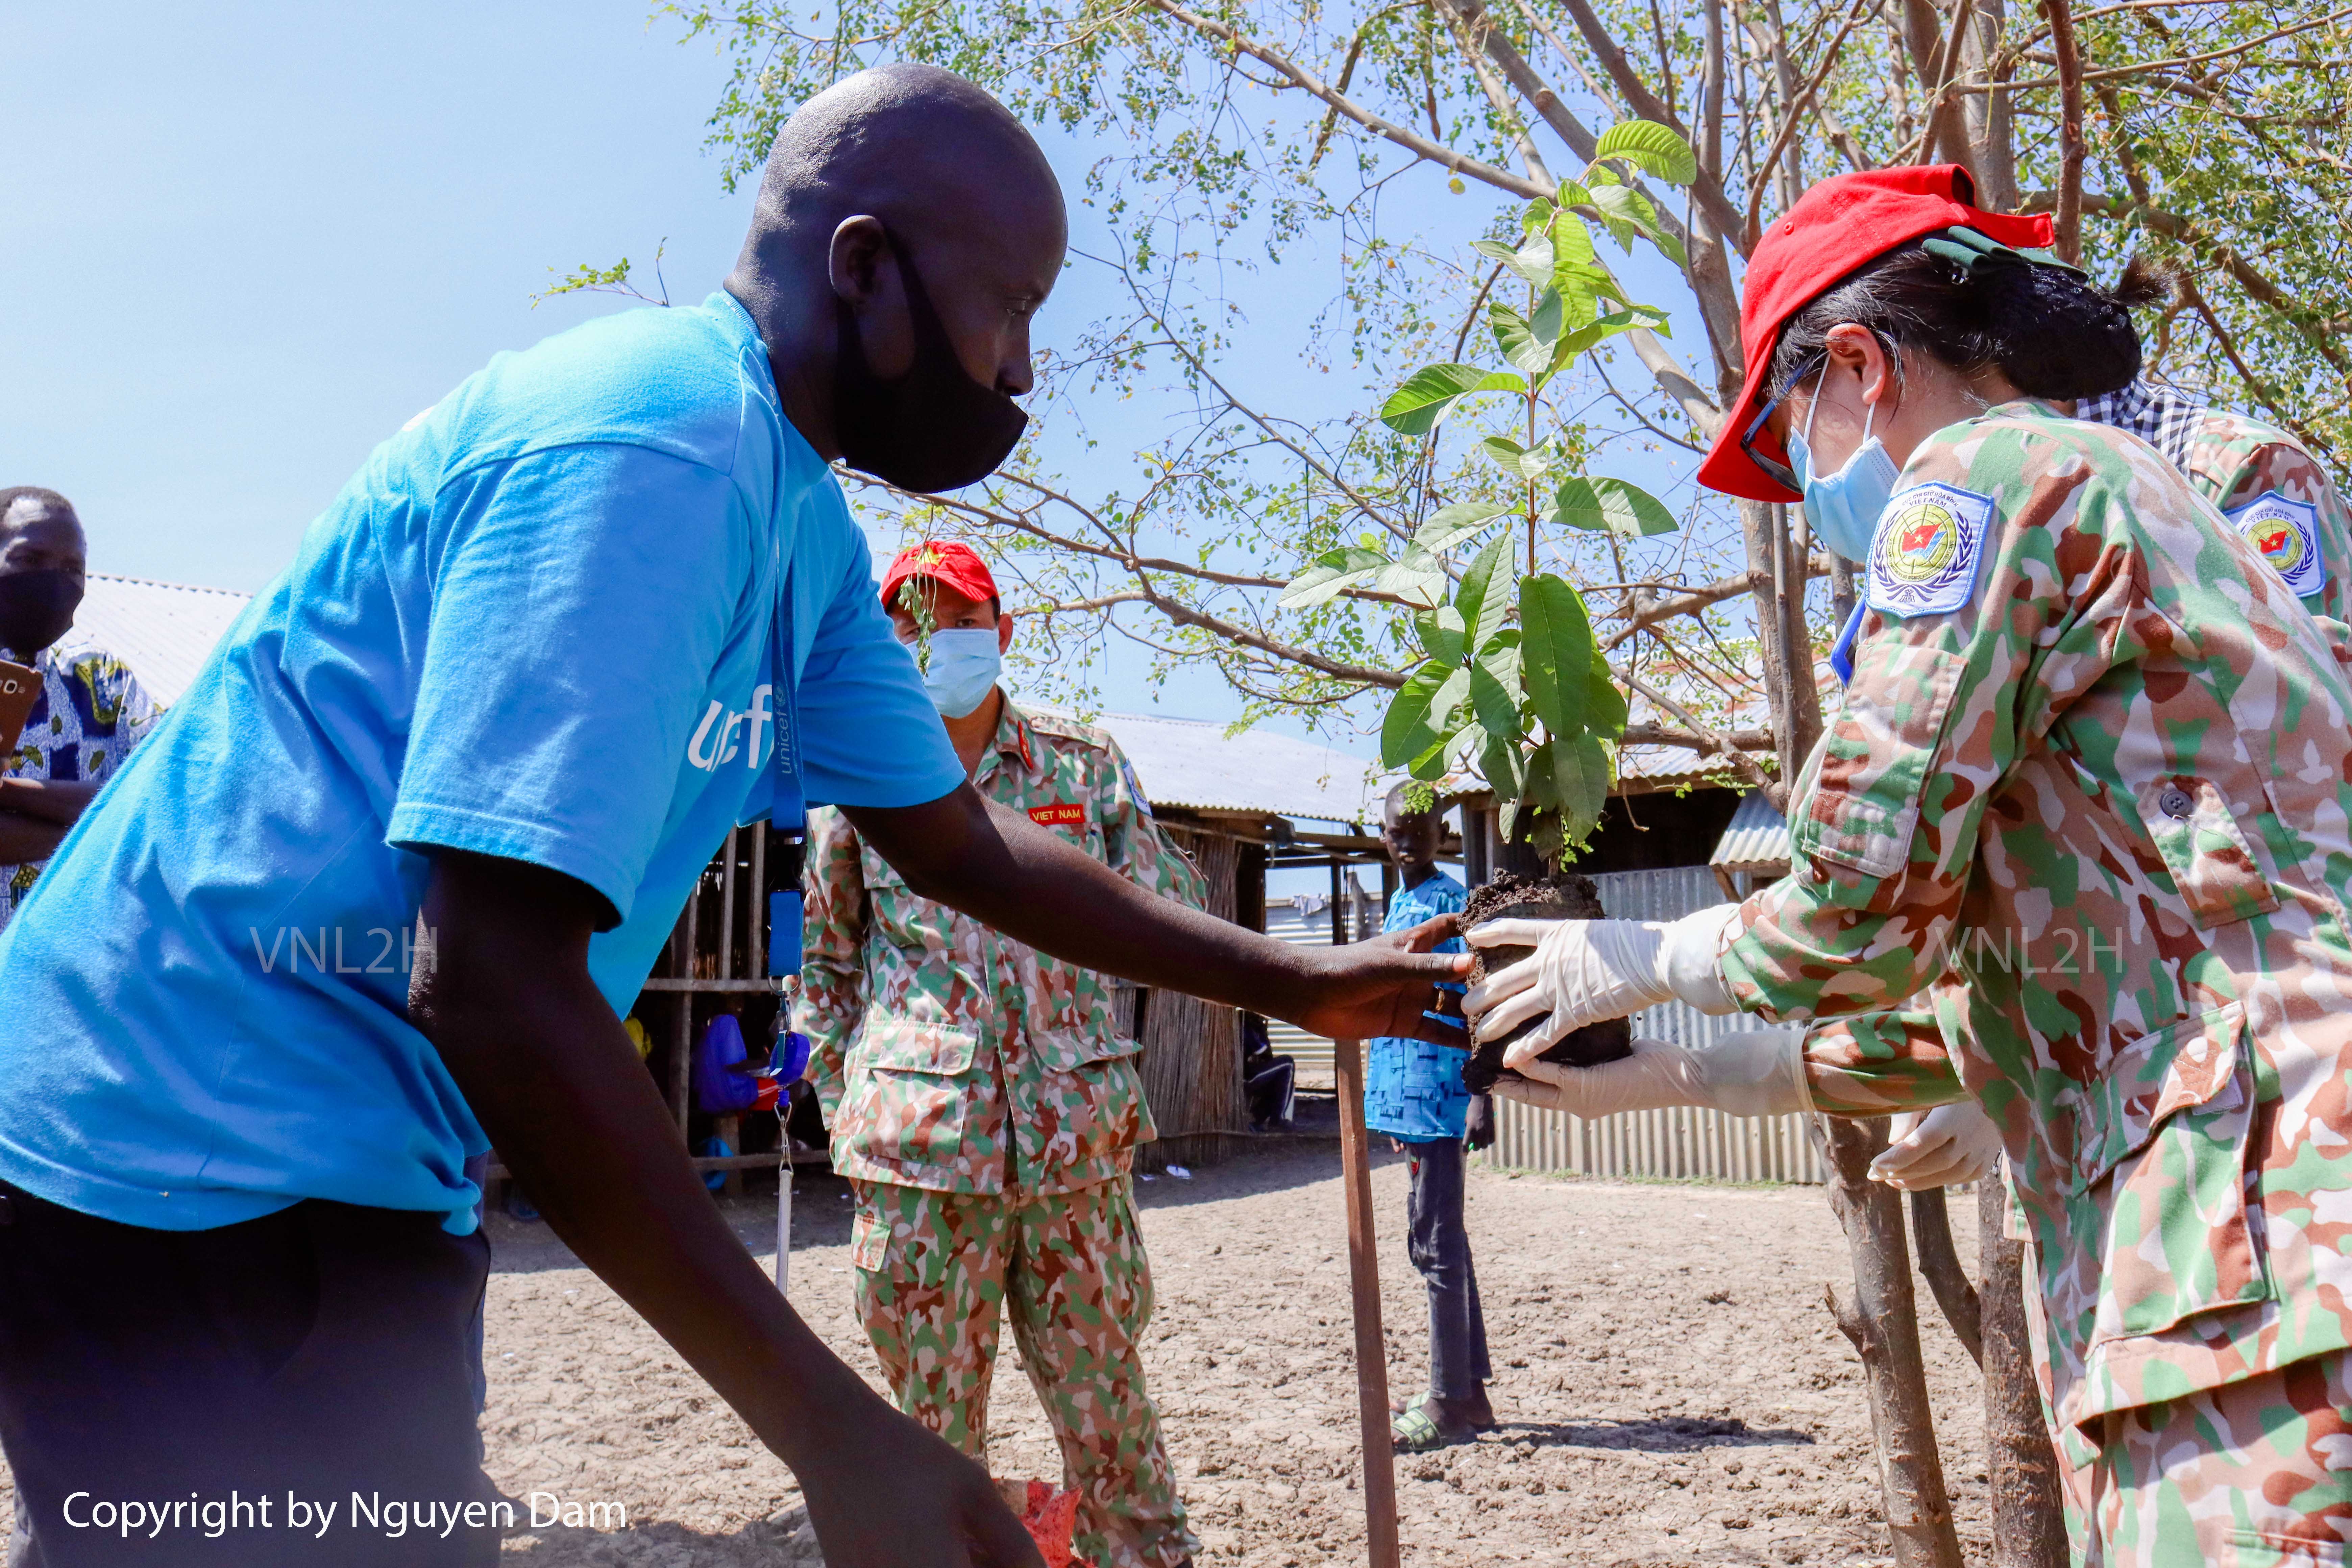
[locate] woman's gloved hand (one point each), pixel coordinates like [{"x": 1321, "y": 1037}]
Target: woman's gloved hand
[
  {"x": 1760, "y": 1072},
  {"x": 1936, "y": 1148},
  {"x": 1585, "y": 971}
]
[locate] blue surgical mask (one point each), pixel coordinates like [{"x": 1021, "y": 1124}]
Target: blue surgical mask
[
  {"x": 964, "y": 663},
  {"x": 1843, "y": 508}
]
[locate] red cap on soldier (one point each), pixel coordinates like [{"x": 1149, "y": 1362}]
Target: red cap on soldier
[
  {"x": 945, "y": 560},
  {"x": 1836, "y": 227}
]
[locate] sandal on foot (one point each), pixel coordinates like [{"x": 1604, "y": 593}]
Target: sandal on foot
[{"x": 1419, "y": 1431}]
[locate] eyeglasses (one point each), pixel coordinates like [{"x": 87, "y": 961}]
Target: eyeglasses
[{"x": 1777, "y": 470}]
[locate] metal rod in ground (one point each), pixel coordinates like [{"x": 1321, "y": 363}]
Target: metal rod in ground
[
  {"x": 1364, "y": 1287},
  {"x": 785, "y": 1221}
]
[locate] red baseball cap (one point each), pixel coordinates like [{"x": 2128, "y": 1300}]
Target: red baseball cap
[
  {"x": 1835, "y": 226},
  {"x": 946, "y": 561}
]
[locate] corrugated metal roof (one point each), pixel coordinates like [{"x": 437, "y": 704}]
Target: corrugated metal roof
[
  {"x": 163, "y": 631},
  {"x": 1756, "y": 840},
  {"x": 1193, "y": 763}
]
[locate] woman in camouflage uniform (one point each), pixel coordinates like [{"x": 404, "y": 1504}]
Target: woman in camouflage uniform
[{"x": 2093, "y": 761}]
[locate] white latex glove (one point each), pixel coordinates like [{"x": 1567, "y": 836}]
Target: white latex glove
[
  {"x": 1758, "y": 1073},
  {"x": 1585, "y": 971},
  {"x": 1936, "y": 1148}
]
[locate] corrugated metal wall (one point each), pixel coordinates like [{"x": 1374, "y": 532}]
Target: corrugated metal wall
[{"x": 1682, "y": 1143}]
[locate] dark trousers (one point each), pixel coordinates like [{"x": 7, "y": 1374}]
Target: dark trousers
[
  {"x": 1438, "y": 1240},
  {"x": 313, "y": 1354}
]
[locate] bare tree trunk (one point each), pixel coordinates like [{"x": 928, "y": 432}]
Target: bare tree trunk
[
  {"x": 1990, "y": 128},
  {"x": 1882, "y": 1322},
  {"x": 2069, "y": 239},
  {"x": 1939, "y": 1263},
  {"x": 2028, "y": 1527}
]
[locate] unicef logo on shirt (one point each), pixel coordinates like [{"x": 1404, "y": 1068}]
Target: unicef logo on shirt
[
  {"x": 725, "y": 736},
  {"x": 1925, "y": 554}
]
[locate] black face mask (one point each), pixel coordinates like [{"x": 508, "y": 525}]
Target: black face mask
[
  {"x": 36, "y": 608},
  {"x": 931, "y": 429}
]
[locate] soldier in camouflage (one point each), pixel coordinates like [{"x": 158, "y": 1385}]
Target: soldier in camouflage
[
  {"x": 2270, "y": 486},
  {"x": 2092, "y": 763},
  {"x": 984, "y": 1100}
]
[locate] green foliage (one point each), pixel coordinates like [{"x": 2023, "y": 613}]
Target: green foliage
[{"x": 1516, "y": 685}]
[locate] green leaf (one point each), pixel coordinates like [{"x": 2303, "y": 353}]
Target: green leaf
[
  {"x": 1609, "y": 326},
  {"x": 1652, "y": 148},
  {"x": 1581, "y": 779},
  {"x": 1492, "y": 701},
  {"x": 1499, "y": 763},
  {"x": 1422, "y": 705},
  {"x": 1556, "y": 648},
  {"x": 1441, "y": 634},
  {"x": 1416, "y": 407},
  {"x": 1484, "y": 596},
  {"x": 1605, "y": 711},
  {"x": 1420, "y": 578},
  {"x": 1333, "y": 572},
  {"x": 1526, "y": 464},
  {"x": 1623, "y": 509},
  {"x": 1526, "y": 345},
  {"x": 1571, "y": 243},
  {"x": 1450, "y": 525},
  {"x": 1495, "y": 692},
  {"x": 1623, "y": 212},
  {"x": 1538, "y": 217}
]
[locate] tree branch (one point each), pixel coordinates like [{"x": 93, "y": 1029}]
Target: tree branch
[
  {"x": 1707, "y": 190},
  {"x": 2068, "y": 242},
  {"x": 1411, "y": 142},
  {"x": 2175, "y": 227},
  {"x": 1718, "y": 744}
]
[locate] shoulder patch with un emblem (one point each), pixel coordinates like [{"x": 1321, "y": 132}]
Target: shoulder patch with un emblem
[
  {"x": 1924, "y": 557},
  {"x": 2286, "y": 534}
]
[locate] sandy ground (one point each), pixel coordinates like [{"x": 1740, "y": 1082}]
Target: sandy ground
[{"x": 1670, "y": 1385}]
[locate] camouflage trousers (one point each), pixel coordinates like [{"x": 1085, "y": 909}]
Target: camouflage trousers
[
  {"x": 935, "y": 1274},
  {"x": 2247, "y": 1475}
]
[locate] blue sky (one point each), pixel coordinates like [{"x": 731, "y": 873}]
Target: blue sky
[{"x": 248, "y": 241}]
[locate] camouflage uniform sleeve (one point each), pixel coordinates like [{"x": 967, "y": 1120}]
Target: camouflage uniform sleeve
[
  {"x": 833, "y": 964},
  {"x": 1884, "y": 829},
  {"x": 1879, "y": 1063},
  {"x": 1133, "y": 844},
  {"x": 2286, "y": 469}
]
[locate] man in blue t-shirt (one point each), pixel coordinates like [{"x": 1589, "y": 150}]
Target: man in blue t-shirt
[
  {"x": 1413, "y": 1092},
  {"x": 374, "y": 894}
]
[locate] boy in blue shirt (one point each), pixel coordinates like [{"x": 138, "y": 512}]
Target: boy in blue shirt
[
  {"x": 1413, "y": 1092},
  {"x": 375, "y": 895}
]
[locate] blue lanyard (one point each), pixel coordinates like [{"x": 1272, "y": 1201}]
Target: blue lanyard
[{"x": 788, "y": 806}]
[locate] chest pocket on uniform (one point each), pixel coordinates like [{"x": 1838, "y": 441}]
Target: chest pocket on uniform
[
  {"x": 2205, "y": 850},
  {"x": 1863, "y": 809}
]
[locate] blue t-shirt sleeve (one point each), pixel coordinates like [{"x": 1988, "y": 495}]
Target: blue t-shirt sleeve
[
  {"x": 581, "y": 598},
  {"x": 869, "y": 733}
]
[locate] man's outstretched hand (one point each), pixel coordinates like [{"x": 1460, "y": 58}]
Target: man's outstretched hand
[
  {"x": 1386, "y": 987},
  {"x": 899, "y": 1492},
  {"x": 1032, "y": 884}
]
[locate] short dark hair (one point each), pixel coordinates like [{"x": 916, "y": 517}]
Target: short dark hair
[
  {"x": 2052, "y": 332},
  {"x": 12, "y": 494}
]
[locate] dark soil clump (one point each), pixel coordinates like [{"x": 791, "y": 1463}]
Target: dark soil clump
[{"x": 1566, "y": 896}]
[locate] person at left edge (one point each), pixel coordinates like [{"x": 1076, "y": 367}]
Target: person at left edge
[
  {"x": 90, "y": 709},
  {"x": 373, "y": 893}
]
